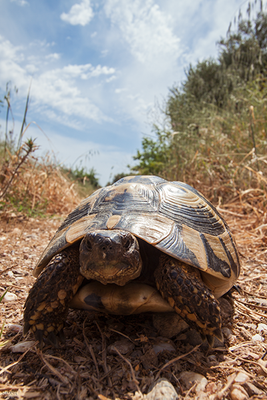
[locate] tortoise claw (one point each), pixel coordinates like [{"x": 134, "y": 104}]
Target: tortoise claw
[
  {"x": 210, "y": 340},
  {"x": 52, "y": 339},
  {"x": 61, "y": 336},
  {"x": 39, "y": 335},
  {"x": 26, "y": 328},
  {"x": 218, "y": 334}
]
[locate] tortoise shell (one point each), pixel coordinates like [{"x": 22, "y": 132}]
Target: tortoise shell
[{"x": 172, "y": 216}]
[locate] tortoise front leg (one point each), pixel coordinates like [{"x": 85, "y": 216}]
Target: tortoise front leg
[
  {"x": 46, "y": 307},
  {"x": 182, "y": 286}
]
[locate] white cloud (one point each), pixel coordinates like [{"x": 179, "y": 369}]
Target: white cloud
[
  {"x": 31, "y": 68},
  {"x": 145, "y": 35},
  {"x": 85, "y": 71},
  {"x": 79, "y": 14},
  {"x": 10, "y": 64},
  {"x": 20, "y": 2},
  {"x": 52, "y": 56},
  {"x": 146, "y": 29},
  {"x": 112, "y": 78},
  {"x": 118, "y": 91},
  {"x": 58, "y": 89}
]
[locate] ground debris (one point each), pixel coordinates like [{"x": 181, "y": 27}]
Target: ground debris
[{"x": 110, "y": 357}]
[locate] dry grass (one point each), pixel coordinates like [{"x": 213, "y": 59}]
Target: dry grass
[
  {"x": 92, "y": 364},
  {"x": 39, "y": 187}
]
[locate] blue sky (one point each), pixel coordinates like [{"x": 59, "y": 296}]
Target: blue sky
[{"x": 97, "y": 69}]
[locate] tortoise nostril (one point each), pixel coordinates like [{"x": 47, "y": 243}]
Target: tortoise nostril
[{"x": 107, "y": 246}]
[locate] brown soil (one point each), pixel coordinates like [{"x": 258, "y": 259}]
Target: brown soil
[{"x": 115, "y": 357}]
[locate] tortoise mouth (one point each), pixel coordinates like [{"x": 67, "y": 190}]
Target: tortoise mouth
[
  {"x": 119, "y": 273},
  {"x": 110, "y": 257}
]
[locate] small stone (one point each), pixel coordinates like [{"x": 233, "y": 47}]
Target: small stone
[
  {"x": 227, "y": 333},
  {"x": 162, "y": 390},
  {"x": 16, "y": 231},
  {"x": 149, "y": 359},
  {"x": 169, "y": 324},
  {"x": 13, "y": 328},
  {"x": 164, "y": 346},
  {"x": 212, "y": 360},
  {"x": 10, "y": 274},
  {"x": 190, "y": 378},
  {"x": 241, "y": 377},
  {"x": 252, "y": 389},
  {"x": 193, "y": 337},
  {"x": 124, "y": 346},
  {"x": 21, "y": 347},
  {"x": 238, "y": 393},
  {"x": 257, "y": 338},
  {"x": 263, "y": 363},
  {"x": 262, "y": 328},
  {"x": 79, "y": 359},
  {"x": 10, "y": 297}
]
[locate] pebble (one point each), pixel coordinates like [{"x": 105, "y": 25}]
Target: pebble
[
  {"x": 149, "y": 359},
  {"x": 193, "y": 337},
  {"x": 10, "y": 297},
  {"x": 21, "y": 347},
  {"x": 161, "y": 390},
  {"x": 79, "y": 359},
  {"x": 252, "y": 389},
  {"x": 227, "y": 333},
  {"x": 241, "y": 378},
  {"x": 257, "y": 338},
  {"x": 212, "y": 360},
  {"x": 32, "y": 236},
  {"x": 13, "y": 327},
  {"x": 237, "y": 392},
  {"x": 169, "y": 324},
  {"x": 124, "y": 346},
  {"x": 190, "y": 378},
  {"x": 262, "y": 328},
  {"x": 10, "y": 274},
  {"x": 16, "y": 231},
  {"x": 163, "y": 346}
]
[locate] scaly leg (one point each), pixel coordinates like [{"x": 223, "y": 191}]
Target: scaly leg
[
  {"x": 46, "y": 307},
  {"x": 181, "y": 285}
]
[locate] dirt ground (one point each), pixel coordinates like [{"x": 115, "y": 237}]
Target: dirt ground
[{"x": 121, "y": 357}]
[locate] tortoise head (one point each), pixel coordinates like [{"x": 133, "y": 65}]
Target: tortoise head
[{"x": 110, "y": 256}]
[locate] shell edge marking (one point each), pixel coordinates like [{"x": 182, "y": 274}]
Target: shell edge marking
[
  {"x": 78, "y": 229},
  {"x": 216, "y": 264}
]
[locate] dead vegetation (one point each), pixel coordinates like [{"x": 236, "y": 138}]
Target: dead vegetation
[
  {"x": 109, "y": 357},
  {"x": 38, "y": 188},
  {"x": 121, "y": 357}
]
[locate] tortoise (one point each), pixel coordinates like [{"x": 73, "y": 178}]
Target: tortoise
[{"x": 143, "y": 244}]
